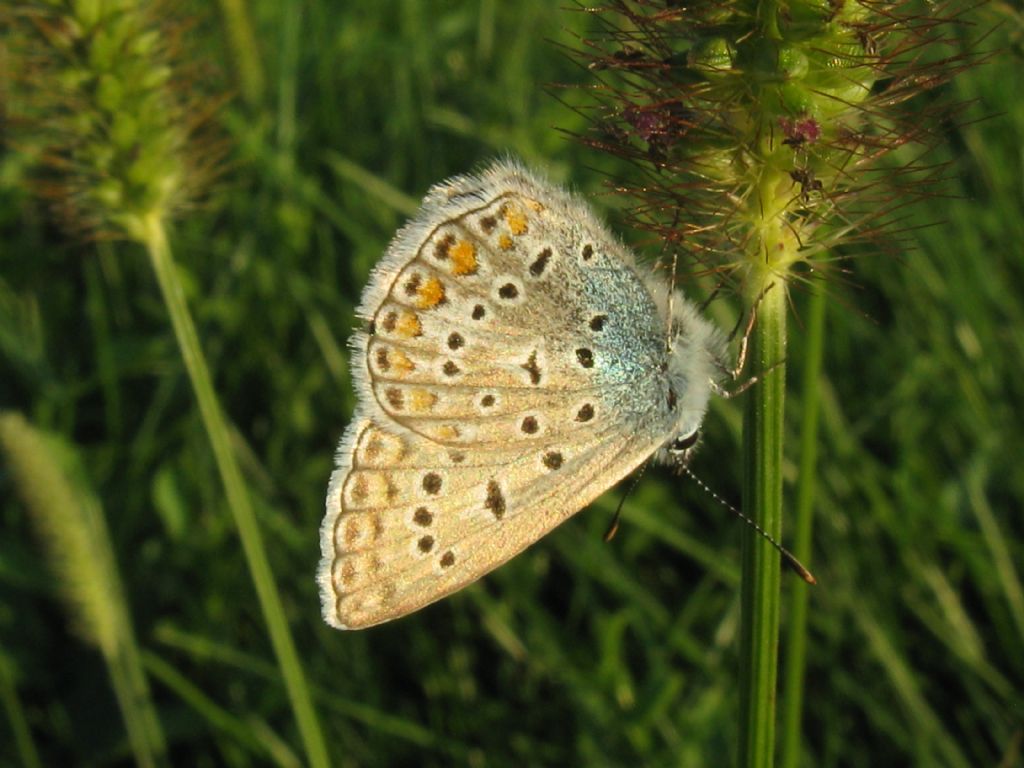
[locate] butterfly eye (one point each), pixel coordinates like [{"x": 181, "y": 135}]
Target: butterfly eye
[{"x": 683, "y": 444}]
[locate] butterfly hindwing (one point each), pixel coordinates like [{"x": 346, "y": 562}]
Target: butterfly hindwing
[{"x": 410, "y": 521}]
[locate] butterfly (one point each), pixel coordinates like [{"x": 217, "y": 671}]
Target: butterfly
[{"x": 516, "y": 362}]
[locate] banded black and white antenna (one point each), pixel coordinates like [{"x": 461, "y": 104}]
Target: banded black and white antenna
[{"x": 787, "y": 557}]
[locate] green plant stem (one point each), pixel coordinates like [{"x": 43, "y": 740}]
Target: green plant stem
[
  {"x": 244, "y": 50},
  {"x": 762, "y": 501},
  {"x": 154, "y": 238},
  {"x": 131, "y": 689},
  {"x": 11, "y": 702},
  {"x": 796, "y": 638}
]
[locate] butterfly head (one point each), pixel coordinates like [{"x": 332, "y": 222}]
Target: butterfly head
[{"x": 695, "y": 361}]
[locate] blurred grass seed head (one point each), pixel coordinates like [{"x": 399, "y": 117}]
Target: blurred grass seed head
[{"x": 120, "y": 130}]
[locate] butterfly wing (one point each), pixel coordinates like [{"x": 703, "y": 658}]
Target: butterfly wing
[
  {"x": 512, "y": 372},
  {"x": 406, "y": 526}
]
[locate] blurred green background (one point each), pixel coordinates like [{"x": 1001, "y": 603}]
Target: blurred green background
[{"x": 578, "y": 652}]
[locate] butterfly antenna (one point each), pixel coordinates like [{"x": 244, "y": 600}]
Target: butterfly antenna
[
  {"x": 613, "y": 527},
  {"x": 672, "y": 285},
  {"x": 788, "y": 557}
]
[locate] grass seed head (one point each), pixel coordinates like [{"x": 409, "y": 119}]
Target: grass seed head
[
  {"x": 759, "y": 128},
  {"x": 110, "y": 112}
]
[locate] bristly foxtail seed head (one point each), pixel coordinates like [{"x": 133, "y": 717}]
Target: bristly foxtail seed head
[
  {"x": 109, "y": 109},
  {"x": 759, "y": 132}
]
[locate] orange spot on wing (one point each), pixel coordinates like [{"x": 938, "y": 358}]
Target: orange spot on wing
[
  {"x": 463, "y": 258},
  {"x": 408, "y": 325},
  {"x": 360, "y": 488},
  {"x": 447, "y": 432},
  {"x": 370, "y": 489},
  {"x": 430, "y": 293},
  {"x": 505, "y": 242},
  {"x": 421, "y": 400},
  {"x": 353, "y": 530},
  {"x": 401, "y": 362},
  {"x": 348, "y": 571},
  {"x": 378, "y": 448},
  {"x": 359, "y": 529},
  {"x": 516, "y": 221}
]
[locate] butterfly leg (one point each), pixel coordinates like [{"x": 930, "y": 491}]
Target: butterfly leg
[{"x": 741, "y": 356}]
